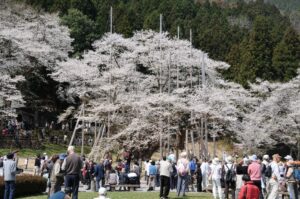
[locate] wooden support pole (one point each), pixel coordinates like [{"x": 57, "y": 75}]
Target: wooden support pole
[
  {"x": 191, "y": 69},
  {"x": 76, "y": 125},
  {"x": 206, "y": 138},
  {"x": 160, "y": 139},
  {"x": 201, "y": 137},
  {"x": 168, "y": 141},
  {"x": 95, "y": 131},
  {"x": 193, "y": 143},
  {"x": 199, "y": 140},
  {"x": 177, "y": 144},
  {"x": 214, "y": 141},
  {"x": 98, "y": 135},
  {"x": 82, "y": 141},
  {"x": 186, "y": 140}
]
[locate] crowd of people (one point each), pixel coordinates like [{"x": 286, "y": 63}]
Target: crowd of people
[
  {"x": 253, "y": 177},
  {"x": 70, "y": 169},
  {"x": 16, "y": 128}
]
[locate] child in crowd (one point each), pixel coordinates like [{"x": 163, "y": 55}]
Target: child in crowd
[{"x": 102, "y": 193}]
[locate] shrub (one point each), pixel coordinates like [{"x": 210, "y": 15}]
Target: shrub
[{"x": 26, "y": 185}]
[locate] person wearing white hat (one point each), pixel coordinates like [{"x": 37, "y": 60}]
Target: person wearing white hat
[
  {"x": 102, "y": 193},
  {"x": 254, "y": 171},
  {"x": 215, "y": 176},
  {"x": 205, "y": 172}
]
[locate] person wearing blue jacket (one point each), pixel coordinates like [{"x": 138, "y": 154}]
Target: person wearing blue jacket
[
  {"x": 152, "y": 175},
  {"x": 99, "y": 174},
  {"x": 193, "y": 168}
]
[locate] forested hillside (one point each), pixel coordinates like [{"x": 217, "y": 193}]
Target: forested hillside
[
  {"x": 254, "y": 38},
  {"x": 290, "y": 8}
]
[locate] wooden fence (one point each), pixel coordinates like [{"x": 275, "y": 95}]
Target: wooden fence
[{"x": 22, "y": 142}]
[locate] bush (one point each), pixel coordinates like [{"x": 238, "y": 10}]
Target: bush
[{"x": 26, "y": 185}]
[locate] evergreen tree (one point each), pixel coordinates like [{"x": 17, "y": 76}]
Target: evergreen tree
[
  {"x": 257, "y": 53},
  {"x": 82, "y": 29},
  {"x": 286, "y": 57}
]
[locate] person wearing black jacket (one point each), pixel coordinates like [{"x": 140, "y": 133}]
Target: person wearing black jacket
[
  {"x": 90, "y": 168},
  {"x": 199, "y": 178},
  {"x": 241, "y": 170},
  {"x": 37, "y": 165}
]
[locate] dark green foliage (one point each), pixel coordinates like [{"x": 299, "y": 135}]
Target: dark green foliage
[
  {"x": 286, "y": 56},
  {"x": 82, "y": 29},
  {"x": 27, "y": 185},
  {"x": 39, "y": 90},
  {"x": 259, "y": 49},
  {"x": 247, "y": 41}
]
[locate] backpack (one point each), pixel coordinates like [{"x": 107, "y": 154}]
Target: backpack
[
  {"x": 182, "y": 171},
  {"x": 268, "y": 171},
  {"x": 230, "y": 174},
  {"x": 296, "y": 174},
  {"x": 263, "y": 168}
]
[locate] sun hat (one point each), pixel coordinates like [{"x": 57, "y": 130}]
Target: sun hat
[
  {"x": 215, "y": 161},
  {"x": 288, "y": 157},
  {"x": 253, "y": 157},
  {"x": 183, "y": 154},
  {"x": 266, "y": 157},
  {"x": 102, "y": 191},
  {"x": 229, "y": 159}
]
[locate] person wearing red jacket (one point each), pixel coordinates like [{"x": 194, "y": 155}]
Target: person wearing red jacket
[{"x": 248, "y": 190}]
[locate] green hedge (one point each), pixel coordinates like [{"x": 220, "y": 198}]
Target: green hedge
[{"x": 26, "y": 185}]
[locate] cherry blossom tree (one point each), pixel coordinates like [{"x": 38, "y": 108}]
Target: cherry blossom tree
[
  {"x": 31, "y": 44},
  {"x": 28, "y": 37},
  {"x": 10, "y": 96}
]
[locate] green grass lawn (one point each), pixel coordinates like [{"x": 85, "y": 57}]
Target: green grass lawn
[
  {"x": 49, "y": 148},
  {"x": 133, "y": 195}
]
